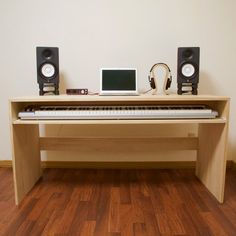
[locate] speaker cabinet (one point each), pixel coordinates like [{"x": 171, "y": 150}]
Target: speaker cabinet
[
  {"x": 188, "y": 70},
  {"x": 48, "y": 70}
]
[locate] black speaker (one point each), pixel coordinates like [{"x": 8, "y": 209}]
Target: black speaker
[
  {"x": 48, "y": 70},
  {"x": 188, "y": 69}
]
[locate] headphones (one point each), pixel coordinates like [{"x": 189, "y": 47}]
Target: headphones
[{"x": 152, "y": 78}]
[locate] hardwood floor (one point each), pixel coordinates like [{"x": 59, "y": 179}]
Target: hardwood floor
[{"x": 117, "y": 202}]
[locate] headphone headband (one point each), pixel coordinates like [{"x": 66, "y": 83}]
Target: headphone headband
[{"x": 160, "y": 64}]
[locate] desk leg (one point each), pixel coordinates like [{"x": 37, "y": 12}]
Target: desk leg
[
  {"x": 26, "y": 159},
  {"x": 211, "y": 158}
]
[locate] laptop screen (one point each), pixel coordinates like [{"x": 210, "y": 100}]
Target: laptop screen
[{"x": 120, "y": 80}]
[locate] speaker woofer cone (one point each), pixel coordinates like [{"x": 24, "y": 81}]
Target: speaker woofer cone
[
  {"x": 188, "y": 70},
  {"x": 48, "y": 70}
]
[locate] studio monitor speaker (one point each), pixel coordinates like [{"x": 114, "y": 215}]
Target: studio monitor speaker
[
  {"x": 188, "y": 69},
  {"x": 48, "y": 70}
]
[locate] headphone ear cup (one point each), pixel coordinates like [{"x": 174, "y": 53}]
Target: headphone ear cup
[
  {"x": 168, "y": 83},
  {"x": 152, "y": 82}
]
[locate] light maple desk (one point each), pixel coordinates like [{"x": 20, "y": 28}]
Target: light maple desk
[{"x": 210, "y": 144}]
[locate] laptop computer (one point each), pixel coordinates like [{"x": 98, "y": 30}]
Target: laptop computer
[{"x": 118, "y": 81}]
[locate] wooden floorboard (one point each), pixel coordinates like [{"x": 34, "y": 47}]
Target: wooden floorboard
[{"x": 117, "y": 203}]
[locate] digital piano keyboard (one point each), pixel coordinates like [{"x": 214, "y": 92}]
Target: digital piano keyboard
[{"x": 112, "y": 112}]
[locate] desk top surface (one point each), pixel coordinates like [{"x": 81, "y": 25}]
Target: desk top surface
[{"x": 174, "y": 97}]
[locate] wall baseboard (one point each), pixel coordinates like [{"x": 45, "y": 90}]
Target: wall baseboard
[
  {"x": 118, "y": 165},
  {"x": 6, "y": 164}
]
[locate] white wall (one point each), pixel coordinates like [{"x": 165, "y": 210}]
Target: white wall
[{"x": 92, "y": 34}]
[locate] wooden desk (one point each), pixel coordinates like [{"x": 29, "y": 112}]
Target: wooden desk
[{"x": 211, "y": 142}]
